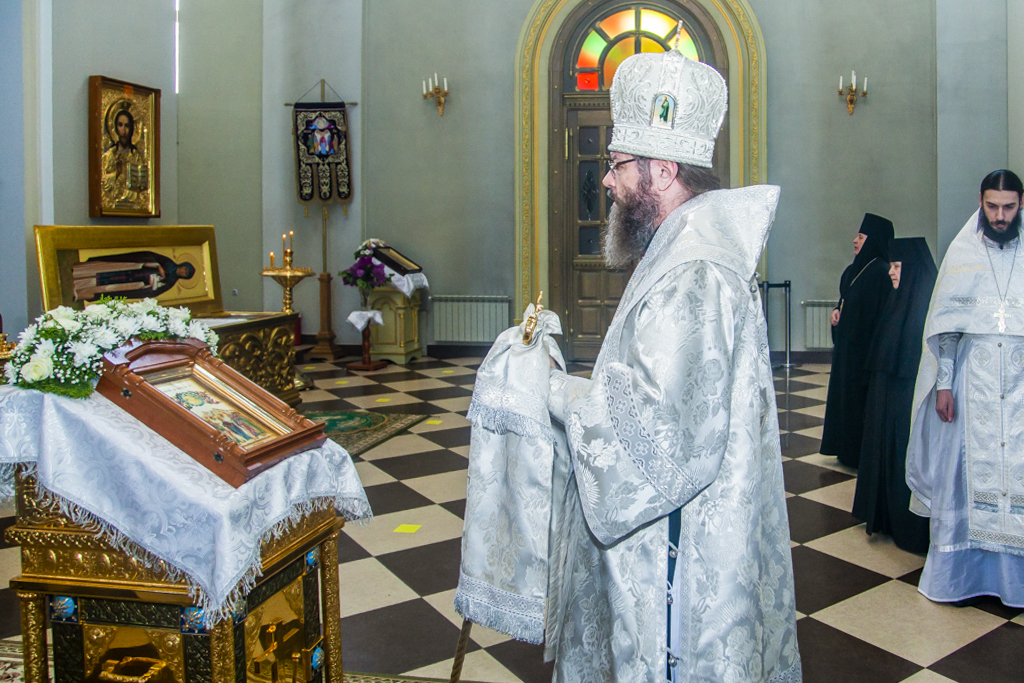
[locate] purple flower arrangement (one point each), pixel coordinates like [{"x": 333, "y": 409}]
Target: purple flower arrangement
[{"x": 364, "y": 273}]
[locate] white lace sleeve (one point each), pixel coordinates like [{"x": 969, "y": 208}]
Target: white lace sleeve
[{"x": 948, "y": 343}]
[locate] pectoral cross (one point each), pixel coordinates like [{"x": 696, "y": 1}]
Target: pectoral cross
[{"x": 1002, "y": 315}]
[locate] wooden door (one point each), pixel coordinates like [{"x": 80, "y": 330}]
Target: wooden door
[{"x": 590, "y": 291}]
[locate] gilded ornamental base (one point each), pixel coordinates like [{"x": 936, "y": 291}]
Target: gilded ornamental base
[
  {"x": 398, "y": 339},
  {"x": 119, "y": 619}
]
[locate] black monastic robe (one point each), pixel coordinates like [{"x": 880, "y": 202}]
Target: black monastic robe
[
  {"x": 882, "y": 500},
  {"x": 863, "y": 290}
]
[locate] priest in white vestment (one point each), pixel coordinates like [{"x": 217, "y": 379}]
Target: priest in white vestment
[
  {"x": 965, "y": 461},
  {"x": 671, "y": 552}
]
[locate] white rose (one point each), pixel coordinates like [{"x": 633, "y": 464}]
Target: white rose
[
  {"x": 180, "y": 313},
  {"x": 98, "y": 311},
  {"x": 69, "y": 324},
  {"x": 85, "y": 353},
  {"x": 37, "y": 369},
  {"x": 144, "y": 306},
  {"x": 63, "y": 313}
]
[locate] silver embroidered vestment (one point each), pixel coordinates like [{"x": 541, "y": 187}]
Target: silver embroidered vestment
[
  {"x": 503, "y": 579},
  {"x": 968, "y": 475},
  {"x": 679, "y": 413}
]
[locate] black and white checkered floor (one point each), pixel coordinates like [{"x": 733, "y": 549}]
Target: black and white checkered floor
[{"x": 861, "y": 617}]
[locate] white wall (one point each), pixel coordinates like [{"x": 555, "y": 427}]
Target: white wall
[
  {"x": 13, "y": 262},
  {"x": 834, "y": 167},
  {"x": 132, "y": 40},
  {"x": 1015, "y": 85},
  {"x": 220, "y": 137},
  {"x": 971, "y": 97},
  {"x": 302, "y": 43}
]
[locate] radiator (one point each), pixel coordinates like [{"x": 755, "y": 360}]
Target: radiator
[
  {"x": 817, "y": 326},
  {"x": 464, "y": 318}
]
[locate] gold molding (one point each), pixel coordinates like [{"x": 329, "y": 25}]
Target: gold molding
[
  {"x": 734, "y": 18},
  {"x": 222, "y": 652},
  {"x": 33, "y": 629},
  {"x": 331, "y": 606}
]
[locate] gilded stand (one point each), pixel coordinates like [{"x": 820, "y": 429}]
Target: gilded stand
[
  {"x": 122, "y": 618},
  {"x": 287, "y": 277},
  {"x": 6, "y": 347}
]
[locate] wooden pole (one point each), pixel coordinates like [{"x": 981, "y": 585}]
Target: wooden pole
[{"x": 325, "y": 348}]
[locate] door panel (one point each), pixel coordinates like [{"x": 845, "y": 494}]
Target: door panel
[{"x": 591, "y": 291}]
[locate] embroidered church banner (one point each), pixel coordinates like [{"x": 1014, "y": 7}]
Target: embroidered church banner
[{"x": 320, "y": 132}]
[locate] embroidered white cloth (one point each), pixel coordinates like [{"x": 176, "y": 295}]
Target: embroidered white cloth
[
  {"x": 406, "y": 284},
  {"x": 503, "y": 579},
  {"x": 360, "y": 319},
  {"x": 105, "y": 465}
]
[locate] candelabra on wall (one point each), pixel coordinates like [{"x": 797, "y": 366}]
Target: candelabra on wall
[
  {"x": 850, "y": 93},
  {"x": 432, "y": 89}
]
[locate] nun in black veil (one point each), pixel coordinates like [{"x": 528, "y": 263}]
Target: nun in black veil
[
  {"x": 883, "y": 498},
  {"x": 863, "y": 290}
]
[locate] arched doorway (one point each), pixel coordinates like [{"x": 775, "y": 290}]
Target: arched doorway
[
  {"x": 591, "y": 44},
  {"x": 540, "y": 138}
]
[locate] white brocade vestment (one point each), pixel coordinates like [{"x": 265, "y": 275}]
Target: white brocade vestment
[
  {"x": 679, "y": 413},
  {"x": 968, "y": 475}
]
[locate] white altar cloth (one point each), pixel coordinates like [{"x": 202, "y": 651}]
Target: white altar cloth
[
  {"x": 106, "y": 466},
  {"x": 360, "y": 319},
  {"x": 406, "y": 284}
]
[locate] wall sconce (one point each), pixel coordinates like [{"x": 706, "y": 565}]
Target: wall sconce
[
  {"x": 851, "y": 93},
  {"x": 432, "y": 89}
]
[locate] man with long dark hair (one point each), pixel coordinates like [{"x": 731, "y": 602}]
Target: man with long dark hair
[{"x": 965, "y": 462}]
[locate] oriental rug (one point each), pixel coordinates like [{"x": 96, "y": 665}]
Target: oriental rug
[
  {"x": 11, "y": 668},
  {"x": 359, "y": 431}
]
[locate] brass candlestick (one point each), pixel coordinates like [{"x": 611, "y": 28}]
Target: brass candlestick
[
  {"x": 287, "y": 277},
  {"x": 432, "y": 90}
]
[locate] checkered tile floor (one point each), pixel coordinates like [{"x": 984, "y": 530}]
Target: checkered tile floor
[{"x": 861, "y": 618}]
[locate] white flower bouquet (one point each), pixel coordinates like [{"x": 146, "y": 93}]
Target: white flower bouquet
[{"x": 62, "y": 352}]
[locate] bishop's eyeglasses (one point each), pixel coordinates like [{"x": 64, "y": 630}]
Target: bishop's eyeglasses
[{"x": 614, "y": 165}]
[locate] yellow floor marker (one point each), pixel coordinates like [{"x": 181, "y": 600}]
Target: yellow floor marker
[
  {"x": 447, "y": 372},
  {"x": 433, "y": 422},
  {"x": 309, "y": 367},
  {"x": 383, "y": 400},
  {"x": 342, "y": 381},
  {"x": 407, "y": 528}
]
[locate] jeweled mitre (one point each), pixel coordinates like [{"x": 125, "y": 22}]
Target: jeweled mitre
[{"x": 666, "y": 106}]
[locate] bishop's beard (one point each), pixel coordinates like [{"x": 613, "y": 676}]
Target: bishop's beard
[
  {"x": 630, "y": 225},
  {"x": 1000, "y": 238}
]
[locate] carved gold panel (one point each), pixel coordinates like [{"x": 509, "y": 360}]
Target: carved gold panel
[{"x": 263, "y": 349}]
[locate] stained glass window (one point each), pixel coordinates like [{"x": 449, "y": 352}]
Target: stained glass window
[{"x": 620, "y": 34}]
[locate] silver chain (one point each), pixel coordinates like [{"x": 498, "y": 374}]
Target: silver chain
[{"x": 988, "y": 252}]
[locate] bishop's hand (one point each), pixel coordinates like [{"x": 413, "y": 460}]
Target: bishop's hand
[{"x": 944, "y": 405}]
